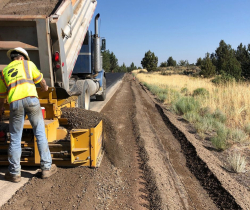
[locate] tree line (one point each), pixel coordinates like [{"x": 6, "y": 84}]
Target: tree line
[
  {"x": 110, "y": 63},
  {"x": 225, "y": 61},
  {"x": 150, "y": 62}
]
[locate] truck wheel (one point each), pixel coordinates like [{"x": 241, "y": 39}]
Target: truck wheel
[
  {"x": 83, "y": 100},
  {"x": 103, "y": 96}
]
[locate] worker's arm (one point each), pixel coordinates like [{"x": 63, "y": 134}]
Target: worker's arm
[
  {"x": 44, "y": 86},
  {"x": 38, "y": 77}
]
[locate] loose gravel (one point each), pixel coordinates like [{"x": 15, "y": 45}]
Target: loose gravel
[{"x": 28, "y": 7}]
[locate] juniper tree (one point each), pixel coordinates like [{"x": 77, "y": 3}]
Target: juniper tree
[{"x": 149, "y": 61}]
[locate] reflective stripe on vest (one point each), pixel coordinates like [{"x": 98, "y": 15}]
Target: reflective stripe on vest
[
  {"x": 38, "y": 78},
  {"x": 26, "y": 69},
  {"x": 4, "y": 94},
  {"x": 18, "y": 82}
]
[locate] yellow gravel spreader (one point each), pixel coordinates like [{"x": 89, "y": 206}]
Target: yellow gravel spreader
[{"x": 83, "y": 147}]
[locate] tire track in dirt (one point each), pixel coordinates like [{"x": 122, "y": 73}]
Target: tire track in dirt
[
  {"x": 219, "y": 190},
  {"x": 175, "y": 187},
  {"x": 220, "y": 196}
]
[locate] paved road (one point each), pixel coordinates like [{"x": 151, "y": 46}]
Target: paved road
[
  {"x": 112, "y": 78},
  {"x": 113, "y": 82}
]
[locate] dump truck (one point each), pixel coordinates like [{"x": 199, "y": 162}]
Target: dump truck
[{"x": 69, "y": 56}]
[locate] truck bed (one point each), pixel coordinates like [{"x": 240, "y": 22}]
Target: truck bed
[
  {"x": 30, "y": 24},
  {"x": 30, "y": 7}
]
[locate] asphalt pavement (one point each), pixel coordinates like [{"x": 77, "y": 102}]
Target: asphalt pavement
[
  {"x": 112, "y": 78},
  {"x": 113, "y": 82}
]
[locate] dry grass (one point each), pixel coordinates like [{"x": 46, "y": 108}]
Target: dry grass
[
  {"x": 236, "y": 162},
  {"x": 233, "y": 99},
  {"x": 139, "y": 71}
]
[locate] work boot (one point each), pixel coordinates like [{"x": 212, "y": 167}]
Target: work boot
[
  {"x": 49, "y": 172},
  {"x": 12, "y": 177}
]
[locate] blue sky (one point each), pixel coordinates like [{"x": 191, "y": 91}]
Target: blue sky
[{"x": 183, "y": 29}]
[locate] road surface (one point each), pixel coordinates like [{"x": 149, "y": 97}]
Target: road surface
[{"x": 9, "y": 189}]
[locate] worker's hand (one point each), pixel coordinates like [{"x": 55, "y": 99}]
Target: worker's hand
[{"x": 44, "y": 88}]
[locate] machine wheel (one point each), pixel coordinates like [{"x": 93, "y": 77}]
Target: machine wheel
[
  {"x": 103, "y": 96},
  {"x": 83, "y": 100}
]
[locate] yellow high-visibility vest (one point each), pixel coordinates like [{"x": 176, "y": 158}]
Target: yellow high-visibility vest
[{"x": 18, "y": 80}]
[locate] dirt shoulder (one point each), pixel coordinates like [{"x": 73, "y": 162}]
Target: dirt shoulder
[
  {"x": 154, "y": 163},
  {"x": 206, "y": 166}
]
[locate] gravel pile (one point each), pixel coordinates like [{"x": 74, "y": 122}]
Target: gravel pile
[
  {"x": 29, "y": 7},
  {"x": 84, "y": 119}
]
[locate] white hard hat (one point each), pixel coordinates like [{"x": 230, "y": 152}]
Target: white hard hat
[{"x": 18, "y": 49}]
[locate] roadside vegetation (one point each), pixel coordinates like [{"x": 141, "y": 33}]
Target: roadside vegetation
[
  {"x": 213, "y": 95},
  {"x": 219, "y": 112}
]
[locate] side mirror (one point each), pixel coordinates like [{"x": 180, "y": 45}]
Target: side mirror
[{"x": 103, "y": 48}]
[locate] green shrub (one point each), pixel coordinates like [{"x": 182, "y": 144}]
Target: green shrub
[
  {"x": 209, "y": 123},
  {"x": 205, "y": 111},
  {"x": 219, "y": 115},
  {"x": 223, "y": 79},
  {"x": 205, "y": 124},
  {"x": 220, "y": 140},
  {"x": 247, "y": 128},
  {"x": 219, "y": 143},
  {"x": 162, "y": 96},
  {"x": 185, "y": 104},
  {"x": 174, "y": 95},
  {"x": 165, "y": 72},
  {"x": 192, "y": 117},
  {"x": 161, "y": 93},
  {"x": 201, "y": 92},
  {"x": 154, "y": 88},
  {"x": 238, "y": 135},
  {"x": 185, "y": 91},
  {"x": 200, "y": 127}
]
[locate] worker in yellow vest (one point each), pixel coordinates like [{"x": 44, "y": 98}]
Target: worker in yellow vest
[{"x": 17, "y": 83}]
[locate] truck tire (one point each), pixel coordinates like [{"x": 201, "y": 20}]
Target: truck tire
[
  {"x": 103, "y": 96},
  {"x": 83, "y": 100}
]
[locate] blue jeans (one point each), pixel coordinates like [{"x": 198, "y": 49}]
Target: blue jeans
[{"x": 18, "y": 110}]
